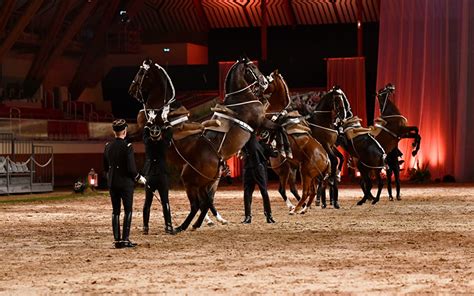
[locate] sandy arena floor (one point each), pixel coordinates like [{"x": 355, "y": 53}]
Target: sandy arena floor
[{"x": 422, "y": 244}]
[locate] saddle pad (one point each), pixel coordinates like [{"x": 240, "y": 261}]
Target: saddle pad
[
  {"x": 223, "y": 109},
  {"x": 375, "y": 131},
  {"x": 178, "y": 112},
  {"x": 223, "y": 127},
  {"x": 353, "y": 132},
  {"x": 298, "y": 129},
  {"x": 183, "y": 134},
  {"x": 186, "y": 129}
]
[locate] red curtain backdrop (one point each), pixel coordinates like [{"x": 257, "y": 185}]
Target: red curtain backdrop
[
  {"x": 426, "y": 48},
  {"x": 349, "y": 74}
]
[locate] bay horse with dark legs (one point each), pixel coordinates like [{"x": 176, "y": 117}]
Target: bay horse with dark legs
[
  {"x": 308, "y": 153},
  {"x": 389, "y": 129},
  {"x": 284, "y": 167},
  {"x": 321, "y": 121},
  {"x": 364, "y": 149},
  {"x": 203, "y": 154}
]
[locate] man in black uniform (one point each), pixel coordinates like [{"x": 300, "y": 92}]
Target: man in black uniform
[
  {"x": 156, "y": 140},
  {"x": 255, "y": 155},
  {"x": 119, "y": 164}
]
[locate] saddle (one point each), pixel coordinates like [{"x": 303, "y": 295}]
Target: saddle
[
  {"x": 183, "y": 127},
  {"x": 294, "y": 124},
  {"x": 375, "y": 130},
  {"x": 353, "y": 128}
]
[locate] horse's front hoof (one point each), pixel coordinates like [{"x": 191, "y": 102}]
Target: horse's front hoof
[
  {"x": 178, "y": 229},
  {"x": 303, "y": 211},
  {"x": 210, "y": 223},
  {"x": 292, "y": 212},
  {"x": 399, "y": 198},
  {"x": 223, "y": 221},
  {"x": 360, "y": 202},
  {"x": 390, "y": 198},
  {"x": 336, "y": 205},
  {"x": 375, "y": 201}
]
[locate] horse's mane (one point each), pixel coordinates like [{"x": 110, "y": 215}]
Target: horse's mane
[
  {"x": 227, "y": 77},
  {"x": 166, "y": 82},
  {"x": 287, "y": 91}
]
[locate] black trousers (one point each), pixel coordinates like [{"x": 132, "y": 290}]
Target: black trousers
[
  {"x": 256, "y": 176},
  {"x": 119, "y": 196},
  {"x": 160, "y": 183}
]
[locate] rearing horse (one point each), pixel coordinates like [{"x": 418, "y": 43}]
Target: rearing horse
[
  {"x": 389, "y": 129},
  {"x": 202, "y": 154}
]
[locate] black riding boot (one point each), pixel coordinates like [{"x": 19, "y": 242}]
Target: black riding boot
[
  {"x": 267, "y": 208},
  {"x": 168, "y": 223},
  {"x": 334, "y": 196},
  {"x": 146, "y": 219},
  {"x": 116, "y": 230},
  {"x": 127, "y": 223},
  {"x": 247, "y": 209}
]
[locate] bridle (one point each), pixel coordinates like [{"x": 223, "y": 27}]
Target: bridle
[
  {"x": 387, "y": 91},
  {"x": 258, "y": 79},
  {"x": 139, "y": 78}
]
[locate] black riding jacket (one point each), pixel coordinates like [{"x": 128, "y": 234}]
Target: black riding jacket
[{"x": 155, "y": 152}]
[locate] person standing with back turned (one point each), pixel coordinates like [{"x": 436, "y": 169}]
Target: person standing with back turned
[
  {"x": 255, "y": 173},
  {"x": 119, "y": 164}
]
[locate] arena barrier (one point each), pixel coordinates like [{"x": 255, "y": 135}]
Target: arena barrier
[{"x": 24, "y": 166}]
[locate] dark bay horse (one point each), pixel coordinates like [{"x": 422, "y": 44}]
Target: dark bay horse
[
  {"x": 389, "y": 129},
  {"x": 364, "y": 149},
  {"x": 202, "y": 155},
  {"x": 308, "y": 153}
]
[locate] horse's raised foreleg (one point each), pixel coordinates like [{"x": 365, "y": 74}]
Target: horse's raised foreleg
[{"x": 412, "y": 132}]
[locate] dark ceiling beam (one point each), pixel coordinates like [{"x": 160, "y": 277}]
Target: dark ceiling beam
[
  {"x": 290, "y": 12},
  {"x": 19, "y": 27},
  {"x": 338, "y": 17},
  {"x": 31, "y": 84},
  {"x": 5, "y": 13},
  {"x": 65, "y": 40},
  {"x": 201, "y": 14},
  {"x": 95, "y": 48}
]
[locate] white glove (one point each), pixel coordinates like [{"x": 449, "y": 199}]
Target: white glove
[
  {"x": 142, "y": 180},
  {"x": 164, "y": 114},
  {"x": 151, "y": 116}
]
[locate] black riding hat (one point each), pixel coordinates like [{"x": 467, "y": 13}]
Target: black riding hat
[{"x": 119, "y": 125}]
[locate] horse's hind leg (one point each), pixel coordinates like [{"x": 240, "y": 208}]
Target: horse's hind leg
[
  {"x": 364, "y": 181},
  {"x": 194, "y": 208},
  {"x": 380, "y": 186},
  {"x": 306, "y": 184},
  {"x": 283, "y": 178},
  {"x": 396, "y": 172},
  {"x": 292, "y": 181}
]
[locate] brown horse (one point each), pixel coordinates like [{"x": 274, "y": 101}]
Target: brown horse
[
  {"x": 321, "y": 121},
  {"x": 203, "y": 154},
  {"x": 308, "y": 153},
  {"x": 284, "y": 167},
  {"x": 389, "y": 128}
]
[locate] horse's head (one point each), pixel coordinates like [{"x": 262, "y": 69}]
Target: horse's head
[
  {"x": 244, "y": 76},
  {"x": 383, "y": 96},
  {"x": 334, "y": 103},
  {"x": 279, "y": 98},
  {"x": 152, "y": 85}
]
